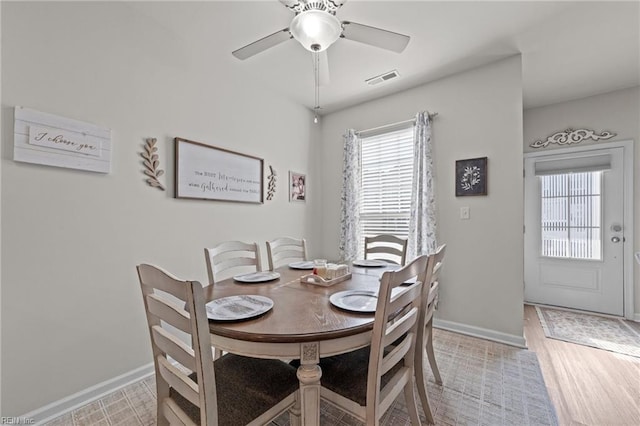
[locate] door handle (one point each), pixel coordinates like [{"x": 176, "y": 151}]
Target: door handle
[{"x": 615, "y": 239}]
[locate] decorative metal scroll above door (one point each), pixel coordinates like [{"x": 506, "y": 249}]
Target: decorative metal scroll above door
[{"x": 570, "y": 136}]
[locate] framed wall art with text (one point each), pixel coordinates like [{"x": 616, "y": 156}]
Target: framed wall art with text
[{"x": 206, "y": 172}]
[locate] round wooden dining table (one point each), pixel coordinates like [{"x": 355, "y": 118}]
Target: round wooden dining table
[{"x": 303, "y": 324}]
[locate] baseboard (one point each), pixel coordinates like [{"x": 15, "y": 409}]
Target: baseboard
[
  {"x": 636, "y": 317},
  {"x": 483, "y": 333},
  {"x": 71, "y": 402}
]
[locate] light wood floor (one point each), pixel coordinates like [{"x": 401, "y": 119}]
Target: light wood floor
[{"x": 587, "y": 386}]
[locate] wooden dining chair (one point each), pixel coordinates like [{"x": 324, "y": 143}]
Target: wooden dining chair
[
  {"x": 367, "y": 381},
  {"x": 284, "y": 250},
  {"x": 386, "y": 247},
  {"x": 424, "y": 341},
  {"x": 230, "y": 257},
  {"x": 191, "y": 388}
]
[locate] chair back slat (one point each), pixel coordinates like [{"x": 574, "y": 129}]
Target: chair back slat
[
  {"x": 285, "y": 250},
  {"x": 231, "y": 246},
  {"x": 155, "y": 279},
  {"x": 404, "y": 296},
  {"x": 436, "y": 270},
  {"x": 386, "y": 247},
  {"x": 380, "y": 249},
  {"x": 288, "y": 254},
  {"x": 233, "y": 263},
  {"x": 169, "y": 312},
  {"x": 178, "y": 380},
  {"x": 400, "y": 326},
  {"x": 436, "y": 261},
  {"x": 225, "y": 259},
  {"x": 174, "y": 347},
  {"x": 394, "y": 356},
  {"x": 174, "y": 414},
  {"x": 433, "y": 293},
  {"x": 432, "y": 300},
  {"x": 389, "y": 393}
]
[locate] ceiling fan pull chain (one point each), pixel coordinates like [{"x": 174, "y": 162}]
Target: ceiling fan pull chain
[{"x": 316, "y": 76}]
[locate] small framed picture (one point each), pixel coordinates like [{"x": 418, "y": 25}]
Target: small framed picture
[
  {"x": 297, "y": 186},
  {"x": 471, "y": 177}
]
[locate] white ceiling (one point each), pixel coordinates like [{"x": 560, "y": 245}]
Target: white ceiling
[{"x": 569, "y": 49}]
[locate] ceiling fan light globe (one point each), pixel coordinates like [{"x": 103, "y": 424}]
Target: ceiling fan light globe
[{"x": 315, "y": 29}]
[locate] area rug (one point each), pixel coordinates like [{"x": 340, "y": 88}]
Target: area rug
[
  {"x": 484, "y": 383},
  {"x": 611, "y": 334}
]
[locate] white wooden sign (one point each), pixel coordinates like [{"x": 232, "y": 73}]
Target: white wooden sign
[
  {"x": 43, "y": 138},
  {"x": 210, "y": 173}
]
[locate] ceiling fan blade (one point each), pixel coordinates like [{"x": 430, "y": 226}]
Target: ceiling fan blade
[
  {"x": 262, "y": 44},
  {"x": 324, "y": 68},
  {"x": 375, "y": 36}
]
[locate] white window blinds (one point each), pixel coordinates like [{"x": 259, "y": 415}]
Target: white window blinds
[
  {"x": 572, "y": 215},
  {"x": 386, "y": 167}
]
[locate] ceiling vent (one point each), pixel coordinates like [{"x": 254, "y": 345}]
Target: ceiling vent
[{"x": 382, "y": 78}]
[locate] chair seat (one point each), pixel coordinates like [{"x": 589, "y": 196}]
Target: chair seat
[
  {"x": 346, "y": 374},
  {"x": 264, "y": 383}
]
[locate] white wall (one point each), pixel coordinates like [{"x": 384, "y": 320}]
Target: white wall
[
  {"x": 1, "y": 127},
  {"x": 480, "y": 114},
  {"x": 72, "y": 313},
  {"x": 617, "y": 112}
]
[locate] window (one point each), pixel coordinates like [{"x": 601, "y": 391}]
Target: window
[
  {"x": 571, "y": 215},
  {"x": 387, "y": 175}
]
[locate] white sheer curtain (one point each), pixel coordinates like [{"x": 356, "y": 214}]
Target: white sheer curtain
[
  {"x": 350, "y": 206},
  {"x": 422, "y": 223}
]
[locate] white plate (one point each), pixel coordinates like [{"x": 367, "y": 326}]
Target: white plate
[
  {"x": 306, "y": 265},
  {"x": 370, "y": 263},
  {"x": 355, "y": 300},
  {"x": 257, "y": 277},
  {"x": 234, "y": 308}
]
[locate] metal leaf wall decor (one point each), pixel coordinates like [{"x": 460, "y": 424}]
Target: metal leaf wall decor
[
  {"x": 570, "y": 136},
  {"x": 151, "y": 163},
  {"x": 271, "y": 187}
]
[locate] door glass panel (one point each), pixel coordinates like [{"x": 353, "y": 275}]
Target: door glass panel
[{"x": 571, "y": 215}]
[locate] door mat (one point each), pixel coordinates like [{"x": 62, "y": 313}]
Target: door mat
[{"x": 611, "y": 334}]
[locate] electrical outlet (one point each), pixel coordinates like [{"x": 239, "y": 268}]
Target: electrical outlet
[{"x": 465, "y": 214}]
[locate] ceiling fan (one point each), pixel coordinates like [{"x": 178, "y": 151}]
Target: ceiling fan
[{"x": 316, "y": 27}]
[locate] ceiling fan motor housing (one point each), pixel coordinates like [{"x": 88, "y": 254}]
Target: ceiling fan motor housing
[{"x": 300, "y": 6}]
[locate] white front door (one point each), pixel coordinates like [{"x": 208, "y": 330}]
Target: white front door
[{"x": 574, "y": 230}]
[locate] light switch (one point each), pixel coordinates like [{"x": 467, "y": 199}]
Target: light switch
[{"x": 464, "y": 213}]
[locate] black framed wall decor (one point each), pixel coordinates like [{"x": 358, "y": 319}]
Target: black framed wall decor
[{"x": 471, "y": 177}]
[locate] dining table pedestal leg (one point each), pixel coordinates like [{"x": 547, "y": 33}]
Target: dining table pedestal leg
[{"x": 309, "y": 374}]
